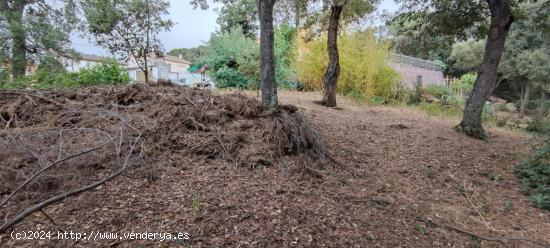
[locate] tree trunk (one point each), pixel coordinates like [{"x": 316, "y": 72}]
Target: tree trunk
[
  {"x": 146, "y": 71},
  {"x": 147, "y": 46},
  {"x": 501, "y": 19},
  {"x": 19, "y": 47},
  {"x": 525, "y": 99},
  {"x": 330, "y": 79},
  {"x": 267, "y": 57},
  {"x": 542, "y": 105}
]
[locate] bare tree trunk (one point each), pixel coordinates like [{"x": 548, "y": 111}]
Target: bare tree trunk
[
  {"x": 145, "y": 62},
  {"x": 525, "y": 99},
  {"x": 267, "y": 56},
  {"x": 501, "y": 19},
  {"x": 330, "y": 79},
  {"x": 19, "y": 46},
  {"x": 542, "y": 105},
  {"x": 146, "y": 71}
]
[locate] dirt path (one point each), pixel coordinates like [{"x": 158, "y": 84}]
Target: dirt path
[{"x": 403, "y": 179}]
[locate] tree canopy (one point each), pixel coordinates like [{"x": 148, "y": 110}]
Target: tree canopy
[
  {"x": 35, "y": 28},
  {"x": 129, "y": 28}
]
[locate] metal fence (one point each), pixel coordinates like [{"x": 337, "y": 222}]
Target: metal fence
[{"x": 416, "y": 62}]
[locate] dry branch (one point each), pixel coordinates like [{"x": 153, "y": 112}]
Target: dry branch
[
  {"x": 48, "y": 167},
  {"x": 498, "y": 239},
  {"x": 62, "y": 196},
  {"x": 36, "y": 96}
]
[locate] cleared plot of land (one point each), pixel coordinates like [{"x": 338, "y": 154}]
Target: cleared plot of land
[{"x": 397, "y": 178}]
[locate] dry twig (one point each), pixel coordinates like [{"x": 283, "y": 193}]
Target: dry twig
[
  {"x": 48, "y": 167},
  {"x": 36, "y": 96},
  {"x": 62, "y": 196},
  {"x": 499, "y": 239}
]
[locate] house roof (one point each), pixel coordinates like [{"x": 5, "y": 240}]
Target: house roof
[
  {"x": 95, "y": 58},
  {"x": 91, "y": 57},
  {"x": 176, "y": 59}
]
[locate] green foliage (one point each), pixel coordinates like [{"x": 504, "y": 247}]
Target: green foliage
[
  {"x": 466, "y": 56},
  {"x": 540, "y": 125},
  {"x": 37, "y": 27},
  {"x": 226, "y": 77},
  {"x": 105, "y": 73},
  {"x": 526, "y": 58},
  {"x": 190, "y": 54},
  {"x": 404, "y": 95},
  {"x": 129, "y": 28},
  {"x": 196, "y": 204},
  {"x": 439, "y": 91},
  {"x": 465, "y": 83},
  {"x": 233, "y": 60},
  {"x": 284, "y": 56},
  {"x": 51, "y": 74},
  {"x": 239, "y": 14},
  {"x": 534, "y": 174},
  {"x": 437, "y": 109},
  {"x": 364, "y": 71}
]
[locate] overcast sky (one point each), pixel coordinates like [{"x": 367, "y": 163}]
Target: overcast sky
[{"x": 193, "y": 27}]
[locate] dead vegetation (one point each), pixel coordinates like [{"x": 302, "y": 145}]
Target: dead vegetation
[
  {"x": 62, "y": 143},
  {"x": 230, "y": 174}
]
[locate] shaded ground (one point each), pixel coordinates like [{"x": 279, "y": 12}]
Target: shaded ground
[{"x": 401, "y": 179}]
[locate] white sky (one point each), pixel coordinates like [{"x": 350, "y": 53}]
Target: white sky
[{"x": 193, "y": 27}]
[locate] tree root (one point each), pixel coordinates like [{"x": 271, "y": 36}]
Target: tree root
[{"x": 473, "y": 132}]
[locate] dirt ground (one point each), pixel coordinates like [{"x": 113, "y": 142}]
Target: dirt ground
[{"x": 397, "y": 178}]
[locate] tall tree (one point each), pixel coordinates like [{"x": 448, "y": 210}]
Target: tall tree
[
  {"x": 501, "y": 20},
  {"x": 267, "y": 58},
  {"x": 34, "y": 27},
  {"x": 350, "y": 10},
  {"x": 464, "y": 18},
  {"x": 267, "y": 54},
  {"x": 129, "y": 28},
  {"x": 428, "y": 28}
]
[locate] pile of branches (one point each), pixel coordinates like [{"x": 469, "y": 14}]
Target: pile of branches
[{"x": 65, "y": 142}]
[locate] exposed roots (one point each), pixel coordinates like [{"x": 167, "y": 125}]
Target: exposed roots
[
  {"x": 294, "y": 134},
  {"x": 474, "y": 132}
]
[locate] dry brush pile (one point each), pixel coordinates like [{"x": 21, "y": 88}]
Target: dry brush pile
[{"x": 56, "y": 144}]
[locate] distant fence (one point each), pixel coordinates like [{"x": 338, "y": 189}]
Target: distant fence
[{"x": 412, "y": 61}]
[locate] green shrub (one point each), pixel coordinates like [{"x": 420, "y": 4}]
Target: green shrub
[
  {"x": 231, "y": 78},
  {"x": 437, "y": 109},
  {"x": 439, "y": 91},
  {"x": 534, "y": 174},
  {"x": 377, "y": 100},
  {"x": 404, "y": 95},
  {"x": 284, "y": 54},
  {"x": 357, "y": 96},
  {"x": 51, "y": 74},
  {"x": 105, "y": 73},
  {"x": 233, "y": 56},
  {"x": 4, "y": 74},
  {"x": 540, "y": 125},
  {"x": 465, "y": 83}
]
